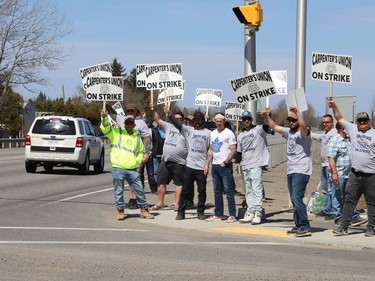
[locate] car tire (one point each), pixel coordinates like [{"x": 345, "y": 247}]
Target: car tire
[
  {"x": 84, "y": 169},
  {"x": 99, "y": 166},
  {"x": 30, "y": 166},
  {"x": 48, "y": 167}
]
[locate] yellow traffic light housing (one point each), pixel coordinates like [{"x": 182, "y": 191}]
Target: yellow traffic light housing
[{"x": 249, "y": 15}]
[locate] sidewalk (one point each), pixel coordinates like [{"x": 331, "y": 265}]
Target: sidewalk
[{"x": 278, "y": 218}]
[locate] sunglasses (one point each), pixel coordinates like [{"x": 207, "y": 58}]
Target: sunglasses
[
  {"x": 292, "y": 120},
  {"x": 246, "y": 118},
  {"x": 362, "y": 120}
]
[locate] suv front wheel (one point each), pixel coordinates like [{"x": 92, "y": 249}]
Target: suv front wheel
[{"x": 84, "y": 169}]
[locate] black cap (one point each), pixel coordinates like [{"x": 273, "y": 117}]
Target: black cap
[{"x": 198, "y": 115}]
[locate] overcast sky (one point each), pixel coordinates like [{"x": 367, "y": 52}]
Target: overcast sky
[{"x": 208, "y": 40}]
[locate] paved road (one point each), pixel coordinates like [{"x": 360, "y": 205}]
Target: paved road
[{"x": 62, "y": 226}]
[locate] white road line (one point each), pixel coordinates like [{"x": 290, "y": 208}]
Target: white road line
[
  {"x": 77, "y": 196},
  {"x": 140, "y": 243},
  {"x": 70, "y": 228}
]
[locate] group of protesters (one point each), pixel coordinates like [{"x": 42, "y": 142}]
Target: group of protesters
[{"x": 190, "y": 151}]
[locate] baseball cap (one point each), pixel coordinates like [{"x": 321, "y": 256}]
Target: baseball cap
[
  {"x": 219, "y": 116},
  {"x": 292, "y": 115},
  {"x": 129, "y": 117},
  {"x": 362, "y": 115},
  {"x": 247, "y": 114},
  {"x": 198, "y": 115}
]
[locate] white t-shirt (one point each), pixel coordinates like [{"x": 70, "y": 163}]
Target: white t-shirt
[
  {"x": 220, "y": 142},
  {"x": 198, "y": 143},
  {"x": 175, "y": 148},
  {"x": 254, "y": 147},
  {"x": 324, "y": 139},
  {"x": 298, "y": 152},
  {"x": 363, "y": 148}
]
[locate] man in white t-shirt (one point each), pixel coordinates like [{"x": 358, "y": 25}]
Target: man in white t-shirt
[
  {"x": 252, "y": 154},
  {"x": 362, "y": 175},
  {"x": 299, "y": 165},
  {"x": 223, "y": 147},
  {"x": 324, "y": 138}
]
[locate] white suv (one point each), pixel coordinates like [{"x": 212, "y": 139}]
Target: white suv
[{"x": 63, "y": 141}]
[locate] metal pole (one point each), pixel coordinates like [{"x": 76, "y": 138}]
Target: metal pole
[
  {"x": 301, "y": 44},
  {"x": 250, "y": 61}
]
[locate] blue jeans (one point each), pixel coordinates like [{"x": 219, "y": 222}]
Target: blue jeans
[
  {"x": 338, "y": 197},
  {"x": 150, "y": 174},
  {"x": 253, "y": 188},
  {"x": 297, "y": 186},
  {"x": 132, "y": 177},
  {"x": 156, "y": 162},
  {"x": 326, "y": 189},
  {"x": 222, "y": 180}
]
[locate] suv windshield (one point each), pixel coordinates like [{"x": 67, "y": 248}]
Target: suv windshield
[{"x": 54, "y": 126}]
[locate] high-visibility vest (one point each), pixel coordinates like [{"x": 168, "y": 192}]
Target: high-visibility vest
[{"x": 126, "y": 150}]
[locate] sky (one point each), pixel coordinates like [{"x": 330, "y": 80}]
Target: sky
[{"x": 206, "y": 37}]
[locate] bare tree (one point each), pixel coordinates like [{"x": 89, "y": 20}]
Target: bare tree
[{"x": 30, "y": 32}]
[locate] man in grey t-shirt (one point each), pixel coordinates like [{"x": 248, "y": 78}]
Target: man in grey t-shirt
[
  {"x": 172, "y": 166},
  {"x": 252, "y": 154},
  {"x": 197, "y": 163},
  {"x": 299, "y": 165},
  {"x": 362, "y": 176}
]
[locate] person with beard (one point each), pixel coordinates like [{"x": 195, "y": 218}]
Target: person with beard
[
  {"x": 197, "y": 163},
  {"x": 299, "y": 165},
  {"x": 252, "y": 155}
]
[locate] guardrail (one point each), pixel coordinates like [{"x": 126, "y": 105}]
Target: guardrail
[
  {"x": 12, "y": 143},
  {"x": 277, "y": 149}
]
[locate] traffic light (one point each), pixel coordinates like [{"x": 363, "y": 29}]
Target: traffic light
[{"x": 249, "y": 15}]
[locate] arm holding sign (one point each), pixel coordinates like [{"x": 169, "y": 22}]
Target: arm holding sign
[
  {"x": 336, "y": 112},
  {"x": 266, "y": 115},
  {"x": 302, "y": 125}
]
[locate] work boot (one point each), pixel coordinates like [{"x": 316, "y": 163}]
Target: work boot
[
  {"x": 201, "y": 215},
  {"x": 180, "y": 215},
  {"x": 120, "y": 214},
  {"x": 145, "y": 213}
]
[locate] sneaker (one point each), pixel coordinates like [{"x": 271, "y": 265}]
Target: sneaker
[
  {"x": 213, "y": 218},
  {"x": 201, "y": 215},
  {"x": 303, "y": 232},
  {"x": 369, "y": 232},
  {"x": 294, "y": 230},
  {"x": 231, "y": 219},
  {"x": 180, "y": 216},
  {"x": 247, "y": 218},
  {"x": 357, "y": 221},
  {"x": 340, "y": 231},
  {"x": 257, "y": 218}
]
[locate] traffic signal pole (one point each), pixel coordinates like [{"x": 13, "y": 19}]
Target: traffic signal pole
[
  {"x": 250, "y": 62},
  {"x": 251, "y": 15}
]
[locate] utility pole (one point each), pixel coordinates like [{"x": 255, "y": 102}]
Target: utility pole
[
  {"x": 300, "y": 66},
  {"x": 251, "y": 15}
]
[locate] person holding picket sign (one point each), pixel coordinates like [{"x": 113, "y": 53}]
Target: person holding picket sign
[{"x": 299, "y": 165}]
